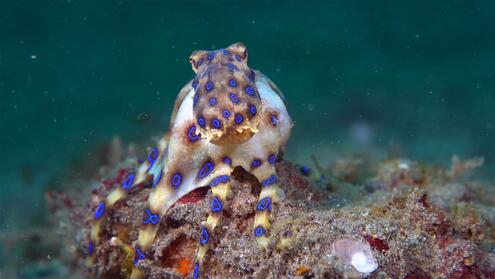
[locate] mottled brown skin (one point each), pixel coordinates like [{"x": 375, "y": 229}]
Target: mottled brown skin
[
  {"x": 227, "y": 72},
  {"x": 228, "y": 111}
]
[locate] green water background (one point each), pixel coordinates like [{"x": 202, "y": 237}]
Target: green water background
[{"x": 413, "y": 74}]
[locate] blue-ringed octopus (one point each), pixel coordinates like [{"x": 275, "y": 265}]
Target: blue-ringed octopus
[{"x": 228, "y": 116}]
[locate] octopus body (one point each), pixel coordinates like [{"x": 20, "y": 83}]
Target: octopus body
[{"x": 228, "y": 116}]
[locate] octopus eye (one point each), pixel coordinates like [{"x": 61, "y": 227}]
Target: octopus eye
[
  {"x": 232, "y": 83},
  {"x": 238, "y": 118},
  {"x": 209, "y": 86},
  {"x": 252, "y": 110},
  {"x": 250, "y": 90},
  {"x": 213, "y": 101}
]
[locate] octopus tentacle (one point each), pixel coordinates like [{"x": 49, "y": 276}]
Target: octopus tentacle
[
  {"x": 228, "y": 115},
  {"x": 148, "y": 169},
  {"x": 176, "y": 184},
  {"x": 220, "y": 187},
  {"x": 269, "y": 194}
]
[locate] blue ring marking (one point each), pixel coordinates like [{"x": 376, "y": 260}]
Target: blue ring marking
[
  {"x": 152, "y": 156},
  {"x": 270, "y": 180},
  {"x": 259, "y": 231},
  {"x": 138, "y": 256},
  {"x": 304, "y": 170},
  {"x": 205, "y": 73},
  {"x": 252, "y": 109},
  {"x": 91, "y": 248},
  {"x": 212, "y": 101},
  {"x": 227, "y": 160},
  {"x": 195, "y": 83},
  {"x": 219, "y": 179},
  {"x": 127, "y": 183},
  {"x": 211, "y": 55},
  {"x": 216, "y": 205},
  {"x": 238, "y": 118},
  {"x": 195, "y": 98},
  {"x": 224, "y": 178},
  {"x": 265, "y": 203},
  {"x": 252, "y": 76},
  {"x": 100, "y": 210},
  {"x": 272, "y": 158},
  {"x": 225, "y": 52},
  {"x": 250, "y": 90},
  {"x": 274, "y": 119},
  {"x": 200, "y": 62},
  {"x": 206, "y": 169},
  {"x": 232, "y": 67},
  {"x": 256, "y": 163},
  {"x": 201, "y": 121},
  {"x": 204, "y": 236},
  {"x": 238, "y": 57},
  {"x": 234, "y": 98},
  {"x": 196, "y": 271},
  {"x": 152, "y": 218},
  {"x": 157, "y": 179},
  {"x": 226, "y": 113},
  {"x": 191, "y": 133},
  {"x": 176, "y": 180},
  {"x": 217, "y": 124},
  {"x": 209, "y": 86},
  {"x": 232, "y": 83}
]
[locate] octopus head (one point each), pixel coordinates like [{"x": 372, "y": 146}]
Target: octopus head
[{"x": 226, "y": 101}]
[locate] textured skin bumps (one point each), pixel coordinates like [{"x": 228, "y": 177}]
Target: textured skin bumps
[
  {"x": 228, "y": 116},
  {"x": 226, "y": 100}
]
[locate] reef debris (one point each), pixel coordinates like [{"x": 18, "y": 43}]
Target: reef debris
[{"x": 409, "y": 231}]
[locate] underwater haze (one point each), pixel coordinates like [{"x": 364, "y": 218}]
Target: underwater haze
[{"x": 412, "y": 79}]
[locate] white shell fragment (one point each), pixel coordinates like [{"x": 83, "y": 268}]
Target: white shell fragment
[{"x": 355, "y": 253}]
